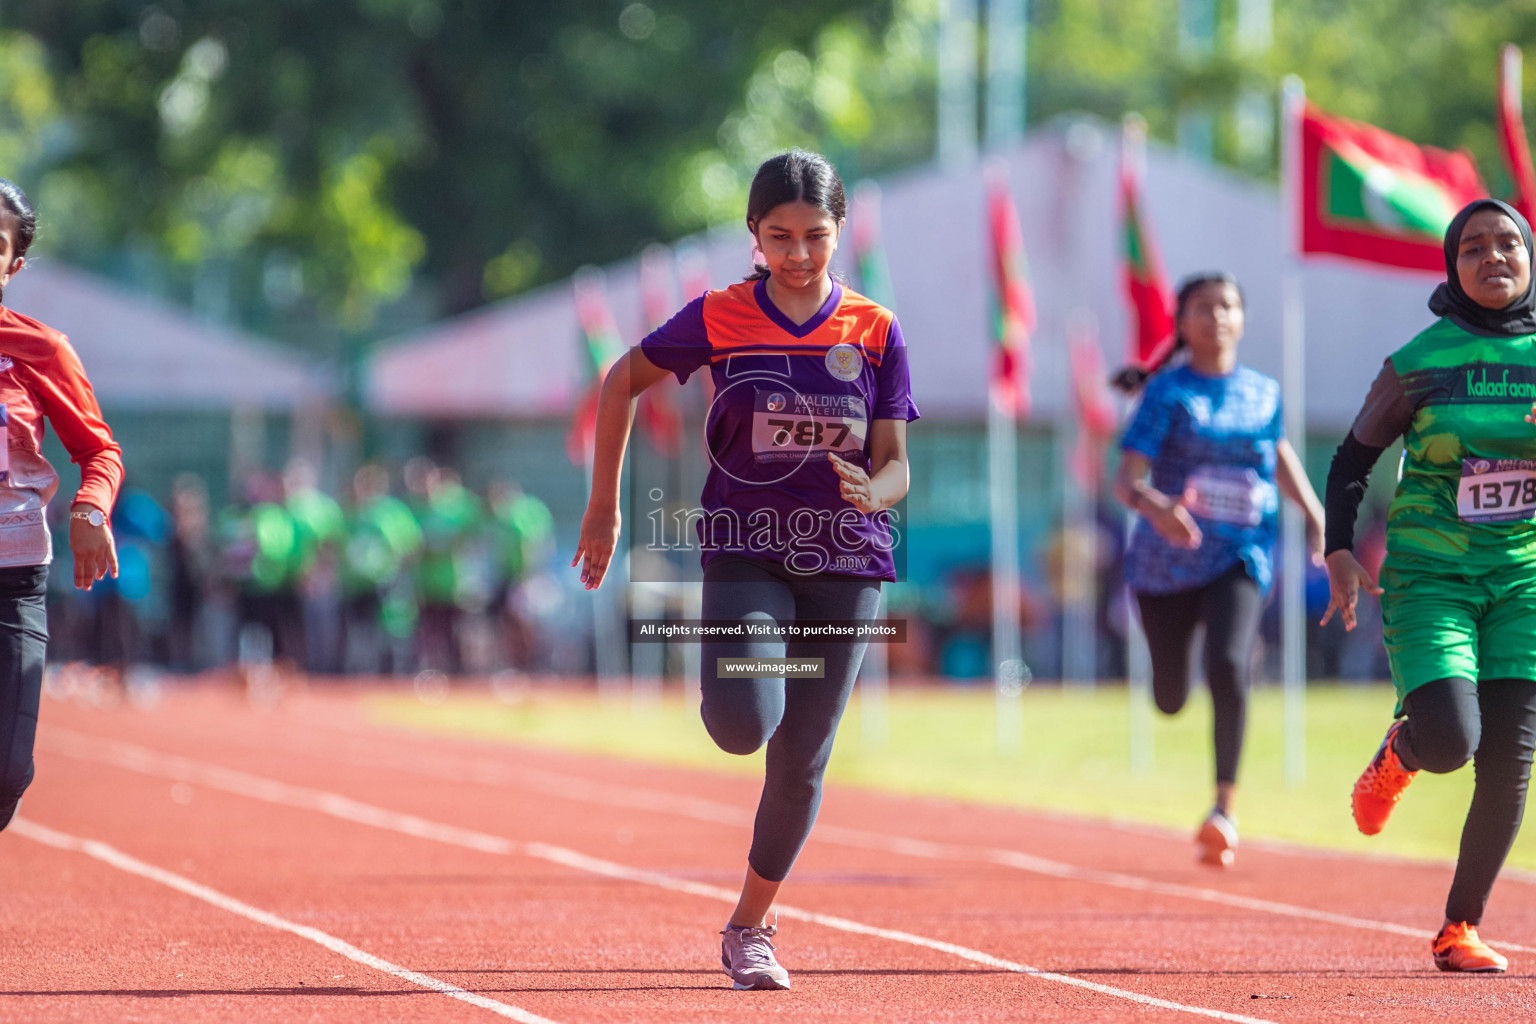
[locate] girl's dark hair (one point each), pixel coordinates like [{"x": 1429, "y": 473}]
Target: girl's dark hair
[
  {"x": 1131, "y": 379},
  {"x": 796, "y": 176},
  {"x": 14, "y": 205}
]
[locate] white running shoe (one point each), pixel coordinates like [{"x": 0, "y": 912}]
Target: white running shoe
[
  {"x": 748, "y": 958},
  {"x": 1217, "y": 840}
]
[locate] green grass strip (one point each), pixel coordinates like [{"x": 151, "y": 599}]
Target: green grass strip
[{"x": 1074, "y": 756}]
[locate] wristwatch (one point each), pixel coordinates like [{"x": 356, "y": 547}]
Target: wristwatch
[{"x": 94, "y": 516}]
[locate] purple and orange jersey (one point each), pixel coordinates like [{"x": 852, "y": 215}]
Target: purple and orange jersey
[{"x": 786, "y": 395}]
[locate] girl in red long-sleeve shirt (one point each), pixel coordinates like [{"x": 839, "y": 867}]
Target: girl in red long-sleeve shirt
[{"x": 40, "y": 376}]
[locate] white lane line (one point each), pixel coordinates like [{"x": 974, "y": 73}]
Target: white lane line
[
  {"x": 489, "y": 772},
  {"x": 182, "y": 769},
  {"x": 122, "y": 861},
  {"x": 1275, "y": 847}
]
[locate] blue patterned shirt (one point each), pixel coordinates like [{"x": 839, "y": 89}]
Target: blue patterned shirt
[{"x": 1213, "y": 440}]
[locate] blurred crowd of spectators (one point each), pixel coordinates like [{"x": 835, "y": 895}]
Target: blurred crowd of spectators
[{"x": 391, "y": 577}]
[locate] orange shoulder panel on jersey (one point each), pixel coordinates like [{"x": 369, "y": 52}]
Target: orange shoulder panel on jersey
[
  {"x": 860, "y": 321},
  {"x": 736, "y": 324}
]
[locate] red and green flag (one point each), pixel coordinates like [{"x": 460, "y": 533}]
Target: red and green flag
[
  {"x": 869, "y": 254},
  {"x": 1096, "y": 418},
  {"x": 1146, "y": 285},
  {"x": 1513, "y": 145},
  {"x": 601, "y": 345},
  {"x": 1369, "y": 195},
  {"x": 1013, "y": 306}
]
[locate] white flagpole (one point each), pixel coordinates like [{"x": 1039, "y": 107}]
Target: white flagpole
[
  {"x": 607, "y": 643},
  {"x": 957, "y": 82},
  {"x": 1007, "y": 643},
  {"x": 1138, "y": 659},
  {"x": 1293, "y": 609}
]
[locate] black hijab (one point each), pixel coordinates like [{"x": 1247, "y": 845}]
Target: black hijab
[{"x": 1452, "y": 302}]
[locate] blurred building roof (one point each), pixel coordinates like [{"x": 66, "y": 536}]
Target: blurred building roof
[
  {"x": 142, "y": 352},
  {"x": 522, "y": 357}
]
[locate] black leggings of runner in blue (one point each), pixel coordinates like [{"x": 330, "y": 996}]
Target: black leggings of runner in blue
[
  {"x": 1230, "y": 606},
  {"x": 23, "y": 648},
  {"x": 797, "y": 718},
  {"x": 1493, "y": 722}
]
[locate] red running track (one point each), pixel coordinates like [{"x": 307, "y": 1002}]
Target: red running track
[{"x": 209, "y": 861}]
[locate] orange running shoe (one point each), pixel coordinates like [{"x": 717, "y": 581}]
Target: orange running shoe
[
  {"x": 1380, "y": 786},
  {"x": 1457, "y": 948}
]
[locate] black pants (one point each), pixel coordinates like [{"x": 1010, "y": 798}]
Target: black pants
[
  {"x": 1230, "y": 606},
  {"x": 1494, "y": 724},
  {"x": 23, "y": 647},
  {"x": 797, "y": 718}
]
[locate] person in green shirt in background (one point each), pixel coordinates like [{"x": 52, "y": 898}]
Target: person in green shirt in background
[
  {"x": 378, "y": 592},
  {"x": 524, "y": 543},
  {"x": 258, "y": 545},
  {"x": 448, "y": 571},
  {"x": 319, "y": 532}
]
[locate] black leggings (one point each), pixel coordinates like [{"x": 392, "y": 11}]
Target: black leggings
[
  {"x": 1229, "y": 606},
  {"x": 797, "y": 718},
  {"x": 1494, "y": 723},
  {"x": 23, "y": 648}
]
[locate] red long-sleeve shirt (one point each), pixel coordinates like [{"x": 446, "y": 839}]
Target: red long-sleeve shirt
[{"x": 41, "y": 376}]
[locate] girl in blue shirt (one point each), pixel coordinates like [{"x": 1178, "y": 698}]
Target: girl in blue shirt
[{"x": 1203, "y": 463}]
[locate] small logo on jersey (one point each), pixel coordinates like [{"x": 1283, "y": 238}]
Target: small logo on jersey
[
  {"x": 844, "y": 362},
  {"x": 6, "y": 363},
  {"x": 1481, "y": 466},
  {"x": 1200, "y": 409},
  {"x": 775, "y": 402}
]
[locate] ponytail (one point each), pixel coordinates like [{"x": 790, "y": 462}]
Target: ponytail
[{"x": 1131, "y": 378}]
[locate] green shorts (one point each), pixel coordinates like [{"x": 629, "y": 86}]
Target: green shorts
[{"x": 1439, "y": 623}]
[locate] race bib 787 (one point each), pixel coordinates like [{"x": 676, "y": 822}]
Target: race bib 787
[{"x": 787, "y": 426}]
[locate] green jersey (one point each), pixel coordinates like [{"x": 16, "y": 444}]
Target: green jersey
[
  {"x": 317, "y": 521},
  {"x": 1468, "y": 487},
  {"x": 524, "y": 536},
  {"x": 449, "y": 521}
]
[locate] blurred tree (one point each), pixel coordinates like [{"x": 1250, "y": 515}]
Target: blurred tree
[{"x": 300, "y": 166}]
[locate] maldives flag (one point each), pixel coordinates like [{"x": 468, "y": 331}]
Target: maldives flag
[
  {"x": 659, "y": 414},
  {"x": 1013, "y": 307},
  {"x": 1146, "y": 286},
  {"x": 1370, "y": 195},
  {"x": 601, "y": 344},
  {"x": 869, "y": 254},
  {"x": 1512, "y": 142}
]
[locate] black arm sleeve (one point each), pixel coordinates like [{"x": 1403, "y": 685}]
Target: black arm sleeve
[{"x": 1347, "y": 477}]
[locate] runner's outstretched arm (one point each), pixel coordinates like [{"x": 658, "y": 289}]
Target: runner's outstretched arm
[
  {"x": 631, "y": 374},
  {"x": 1292, "y": 480}
]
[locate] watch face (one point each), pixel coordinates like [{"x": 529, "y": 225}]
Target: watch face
[{"x": 96, "y": 518}]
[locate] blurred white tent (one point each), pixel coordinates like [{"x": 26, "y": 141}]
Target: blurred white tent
[
  {"x": 140, "y": 352},
  {"x": 521, "y": 357}
]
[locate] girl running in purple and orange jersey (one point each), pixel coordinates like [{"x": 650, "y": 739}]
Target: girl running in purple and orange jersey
[
  {"x": 807, "y": 441},
  {"x": 1203, "y": 463},
  {"x": 40, "y": 377}
]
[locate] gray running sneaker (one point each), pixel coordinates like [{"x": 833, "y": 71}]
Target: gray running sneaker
[{"x": 748, "y": 958}]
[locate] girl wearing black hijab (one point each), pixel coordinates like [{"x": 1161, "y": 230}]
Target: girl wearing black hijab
[{"x": 1458, "y": 587}]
